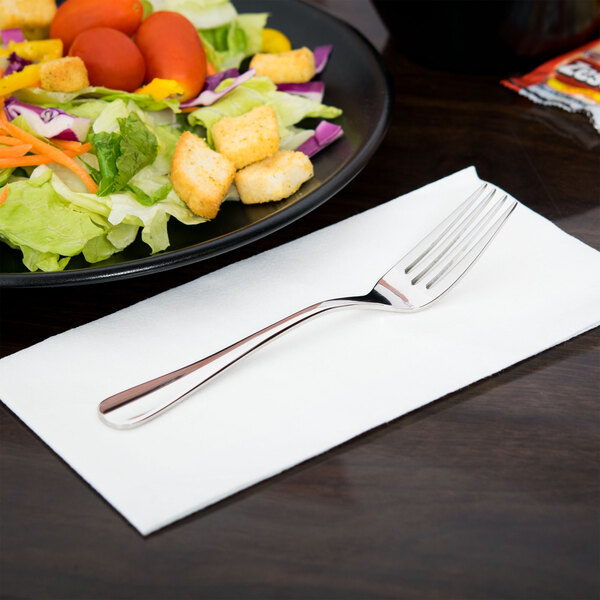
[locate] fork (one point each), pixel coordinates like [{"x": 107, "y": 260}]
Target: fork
[{"x": 421, "y": 277}]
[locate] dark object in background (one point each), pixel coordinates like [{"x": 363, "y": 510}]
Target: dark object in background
[{"x": 488, "y": 36}]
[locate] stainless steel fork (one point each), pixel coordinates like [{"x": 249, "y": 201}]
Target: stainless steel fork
[{"x": 429, "y": 270}]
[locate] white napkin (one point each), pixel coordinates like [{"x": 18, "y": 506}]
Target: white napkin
[{"x": 320, "y": 385}]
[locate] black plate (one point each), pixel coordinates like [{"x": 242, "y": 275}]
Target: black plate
[{"x": 356, "y": 80}]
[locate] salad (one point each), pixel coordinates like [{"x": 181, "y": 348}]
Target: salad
[{"x": 108, "y": 124}]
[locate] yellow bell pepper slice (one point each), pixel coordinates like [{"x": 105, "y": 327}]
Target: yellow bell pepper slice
[
  {"x": 19, "y": 80},
  {"x": 160, "y": 89},
  {"x": 35, "y": 51},
  {"x": 273, "y": 41}
]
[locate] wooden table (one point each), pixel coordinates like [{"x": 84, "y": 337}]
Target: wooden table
[{"x": 492, "y": 492}]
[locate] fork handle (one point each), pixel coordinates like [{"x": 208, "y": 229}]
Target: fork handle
[{"x": 142, "y": 402}]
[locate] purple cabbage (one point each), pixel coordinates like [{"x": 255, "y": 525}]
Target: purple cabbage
[
  {"x": 325, "y": 134},
  {"x": 212, "y": 81},
  {"x": 49, "y": 122},
  {"x": 209, "y": 96},
  {"x": 16, "y": 63},
  {"x": 313, "y": 90},
  {"x": 321, "y": 54},
  {"x": 11, "y": 35}
]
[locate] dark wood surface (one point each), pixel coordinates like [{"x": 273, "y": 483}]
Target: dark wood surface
[{"x": 492, "y": 492}]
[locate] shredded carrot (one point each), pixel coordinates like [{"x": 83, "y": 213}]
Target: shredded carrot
[
  {"x": 24, "y": 161},
  {"x": 3, "y": 195},
  {"x": 30, "y": 160},
  {"x": 73, "y": 145},
  {"x": 42, "y": 152},
  {"x": 3, "y": 118},
  {"x": 14, "y": 151},
  {"x": 77, "y": 147},
  {"x": 189, "y": 109},
  {"x": 66, "y": 144},
  {"x": 8, "y": 140},
  {"x": 54, "y": 154}
]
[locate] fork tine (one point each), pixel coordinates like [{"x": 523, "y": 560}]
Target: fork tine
[
  {"x": 459, "y": 231},
  {"x": 431, "y": 241},
  {"x": 476, "y": 241}
]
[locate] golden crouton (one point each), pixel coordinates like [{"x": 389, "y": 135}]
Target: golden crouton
[
  {"x": 249, "y": 137},
  {"x": 295, "y": 66},
  {"x": 200, "y": 176},
  {"x": 65, "y": 74},
  {"x": 273, "y": 178},
  {"x": 32, "y": 16}
]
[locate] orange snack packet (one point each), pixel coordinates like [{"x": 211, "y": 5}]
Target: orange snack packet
[{"x": 570, "y": 82}]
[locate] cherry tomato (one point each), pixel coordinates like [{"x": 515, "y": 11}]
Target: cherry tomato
[
  {"x": 172, "y": 49},
  {"x": 111, "y": 58},
  {"x": 75, "y": 16}
]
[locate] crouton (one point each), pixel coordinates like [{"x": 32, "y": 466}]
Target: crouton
[
  {"x": 65, "y": 74},
  {"x": 273, "y": 178},
  {"x": 295, "y": 66},
  {"x": 32, "y": 16},
  {"x": 200, "y": 176},
  {"x": 249, "y": 137}
]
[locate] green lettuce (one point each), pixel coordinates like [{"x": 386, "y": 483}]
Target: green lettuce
[
  {"x": 228, "y": 45},
  {"x": 122, "y": 155},
  {"x": 122, "y": 214},
  {"x": 4, "y": 176},
  {"x": 202, "y": 13},
  {"x": 152, "y": 218},
  {"x": 253, "y": 24},
  {"x": 289, "y": 108},
  {"x": 152, "y": 183},
  {"x": 129, "y": 207},
  {"x": 67, "y": 100},
  {"x": 153, "y": 136},
  {"x": 47, "y": 229},
  {"x": 148, "y": 8}
]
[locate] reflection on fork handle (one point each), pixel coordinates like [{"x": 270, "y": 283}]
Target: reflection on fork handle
[{"x": 140, "y": 403}]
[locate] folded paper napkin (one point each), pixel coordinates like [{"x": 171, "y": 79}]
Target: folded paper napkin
[{"x": 314, "y": 388}]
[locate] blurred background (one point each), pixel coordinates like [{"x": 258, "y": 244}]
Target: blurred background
[{"x": 480, "y": 36}]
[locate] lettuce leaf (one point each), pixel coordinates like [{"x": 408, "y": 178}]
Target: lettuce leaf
[
  {"x": 253, "y": 25},
  {"x": 121, "y": 215},
  {"x": 122, "y": 155},
  {"x": 148, "y": 8},
  {"x": 153, "y": 218},
  {"x": 107, "y": 150},
  {"x": 47, "y": 229},
  {"x": 4, "y": 175},
  {"x": 228, "y": 45},
  {"x": 289, "y": 108},
  {"x": 114, "y": 240},
  {"x": 149, "y": 181},
  {"x": 35, "y": 260},
  {"x": 66, "y": 100},
  {"x": 202, "y": 13}
]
